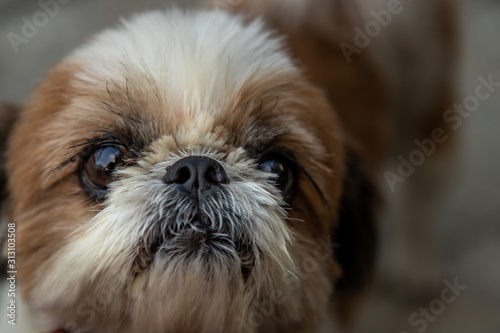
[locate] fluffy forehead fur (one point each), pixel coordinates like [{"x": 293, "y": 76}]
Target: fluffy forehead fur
[{"x": 167, "y": 85}]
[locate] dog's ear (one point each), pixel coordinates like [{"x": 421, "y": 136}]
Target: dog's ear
[
  {"x": 8, "y": 116},
  {"x": 355, "y": 238}
]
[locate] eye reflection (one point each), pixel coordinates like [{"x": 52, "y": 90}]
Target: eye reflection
[
  {"x": 283, "y": 169},
  {"x": 101, "y": 164}
]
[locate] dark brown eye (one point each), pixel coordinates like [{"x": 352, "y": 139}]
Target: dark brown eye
[
  {"x": 284, "y": 170},
  {"x": 100, "y": 165}
]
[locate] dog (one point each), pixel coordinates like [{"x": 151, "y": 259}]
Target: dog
[{"x": 203, "y": 171}]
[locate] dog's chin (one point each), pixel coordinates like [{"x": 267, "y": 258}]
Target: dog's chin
[{"x": 192, "y": 241}]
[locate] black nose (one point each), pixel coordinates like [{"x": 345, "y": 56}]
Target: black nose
[{"x": 196, "y": 176}]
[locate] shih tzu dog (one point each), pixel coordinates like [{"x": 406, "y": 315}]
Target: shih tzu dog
[{"x": 203, "y": 171}]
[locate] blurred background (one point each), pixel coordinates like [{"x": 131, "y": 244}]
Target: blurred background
[{"x": 468, "y": 223}]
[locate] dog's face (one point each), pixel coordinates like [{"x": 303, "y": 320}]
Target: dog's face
[{"x": 177, "y": 175}]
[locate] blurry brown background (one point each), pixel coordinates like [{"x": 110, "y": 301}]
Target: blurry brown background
[{"x": 469, "y": 222}]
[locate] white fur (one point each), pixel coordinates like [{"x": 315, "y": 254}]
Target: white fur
[
  {"x": 196, "y": 63},
  {"x": 102, "y": 252},
  {"x": 199, "y": 60}
]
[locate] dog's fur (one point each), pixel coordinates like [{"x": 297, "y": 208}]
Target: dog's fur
[{"x": 167, "y": 85}]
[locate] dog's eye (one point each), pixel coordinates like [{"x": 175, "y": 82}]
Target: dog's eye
[
  {"x": 99, "y": 166},
  {"x": 284, "y": 170}
]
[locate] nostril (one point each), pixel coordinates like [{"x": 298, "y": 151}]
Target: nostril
[
  {"x": 212, "y": 176},
  {"x": 217, "y": 175},
  {"x": 178, "y": 174},
  {"x": 197, "y": 176},
  {"x": 183, "y": 176}
]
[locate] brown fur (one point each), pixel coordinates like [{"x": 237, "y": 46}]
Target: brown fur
[
  {"x": 32, "y": 138},
  {"x": 41, "y": 192},
  {"x": 357, "y": 91},
  {"x": 334, "y": 117},
  {"x": 366, "y": 106},
  {"x": 360, "y": 97},
  {"x": 449, "y": 33}
]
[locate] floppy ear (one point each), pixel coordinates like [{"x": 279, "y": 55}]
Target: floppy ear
[
  {"x": 355, "y": 238},
  {"x": 8, "y": 116}
]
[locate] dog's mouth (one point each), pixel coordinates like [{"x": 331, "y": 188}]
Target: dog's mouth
[
  {"x": 198, "y": 238},
  {"x": 199, "y": 224}
]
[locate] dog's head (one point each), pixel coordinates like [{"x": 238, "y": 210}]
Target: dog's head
[{"x": 178, "y": 174}]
